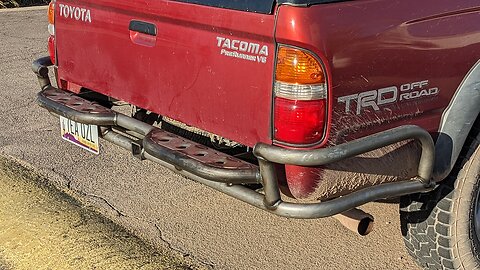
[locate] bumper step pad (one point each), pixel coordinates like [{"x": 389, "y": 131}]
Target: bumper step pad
[
  {"x": 75, "y": 108},
  {"x": 182, "y": 153},
  {"x": 198, "y": 159}
]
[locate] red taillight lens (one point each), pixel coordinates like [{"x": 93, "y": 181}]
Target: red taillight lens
[
  {"x": 51, "y": 48},
  {"x": 300, "y": 104},
  {"x": 299, "y": 121}
]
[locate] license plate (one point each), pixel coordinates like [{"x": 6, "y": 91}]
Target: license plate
[{"x": 85, "y": 136}]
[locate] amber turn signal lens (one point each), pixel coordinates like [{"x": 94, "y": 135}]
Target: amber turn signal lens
[
  {"x": 51, "y": 13},
  {"x": 298, "y": 66}
]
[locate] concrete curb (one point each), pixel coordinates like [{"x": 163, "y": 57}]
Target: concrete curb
[{"x": 6, "y": 10}]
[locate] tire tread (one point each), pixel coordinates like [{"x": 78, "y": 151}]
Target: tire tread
[{"x": 427, "y": 225}]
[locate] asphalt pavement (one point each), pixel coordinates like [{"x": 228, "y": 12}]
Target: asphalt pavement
[{"x": 164, "y": 209}]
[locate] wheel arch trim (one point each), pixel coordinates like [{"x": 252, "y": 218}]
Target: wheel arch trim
[{"x": 456, "y": 123}]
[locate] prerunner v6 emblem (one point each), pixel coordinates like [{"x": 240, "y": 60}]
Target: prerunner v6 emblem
[
  {"x": 79, "y": 14},
  {"x": 374, "y": 99},
  {"x": 244, "y": 50}
]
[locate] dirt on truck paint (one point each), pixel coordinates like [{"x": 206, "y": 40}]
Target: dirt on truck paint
[{"x": 388, "y": 164}]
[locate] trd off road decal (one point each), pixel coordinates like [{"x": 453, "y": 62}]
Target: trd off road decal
[
  {"x": 374, "y": 99},
  {"x": 243, "y": 50}
]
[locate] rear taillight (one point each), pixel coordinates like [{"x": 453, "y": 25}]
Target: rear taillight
[
  {"x": 300, "y": 102},
  {"x": 51, "y": 30}
]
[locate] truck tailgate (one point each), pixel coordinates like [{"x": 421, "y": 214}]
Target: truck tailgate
[{"x": 208, "y": 67}]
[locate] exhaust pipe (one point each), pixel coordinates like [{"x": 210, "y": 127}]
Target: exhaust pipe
[{"x": 357, "y": 221}]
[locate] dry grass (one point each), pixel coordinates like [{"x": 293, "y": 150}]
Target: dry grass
[{"x": 22, "y": 3}]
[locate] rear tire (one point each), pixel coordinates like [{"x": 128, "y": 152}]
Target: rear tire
[{"x": 441, "y": 229}]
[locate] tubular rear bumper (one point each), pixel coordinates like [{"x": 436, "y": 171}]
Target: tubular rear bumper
[{"x": 227, "y": 174}]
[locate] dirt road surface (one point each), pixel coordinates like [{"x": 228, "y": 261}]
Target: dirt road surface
[{"x": 160, "y": 206}]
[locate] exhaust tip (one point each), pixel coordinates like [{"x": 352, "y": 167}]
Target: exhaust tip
[
  {"x": 365, "y": 226},
  {"x": 357, "y": 221}
]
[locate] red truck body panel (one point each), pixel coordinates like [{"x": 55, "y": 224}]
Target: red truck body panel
[
  {"x": 184, "y": 75},
  {"x": 389, "y": 63}
]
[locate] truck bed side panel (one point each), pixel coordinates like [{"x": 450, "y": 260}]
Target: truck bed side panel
[{"x": 371, "y": 45}]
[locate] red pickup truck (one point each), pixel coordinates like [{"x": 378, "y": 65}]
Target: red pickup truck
[{"x": 303, "y": 108}]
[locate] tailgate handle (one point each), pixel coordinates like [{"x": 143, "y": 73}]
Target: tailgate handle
[
  {"x": 143, "y": 33},
  {"x": 143, "y": 27}
]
